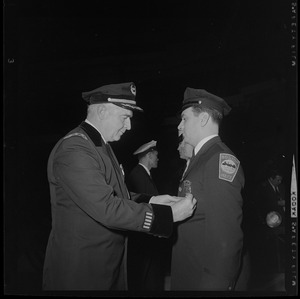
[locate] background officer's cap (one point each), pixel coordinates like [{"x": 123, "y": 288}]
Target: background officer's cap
[
  {"x": 122, "y": 95},
  {"x": 145, "y": 148},
  {"x": 203, "y": 98}
]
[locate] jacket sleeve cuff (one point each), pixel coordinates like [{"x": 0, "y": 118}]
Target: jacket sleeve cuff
[
  {"x": 140, "y": 197},
  {"x": 162, "y": 224}
]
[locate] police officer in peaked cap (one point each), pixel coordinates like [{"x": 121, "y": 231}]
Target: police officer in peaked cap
[{"x": 207, "y": 253}]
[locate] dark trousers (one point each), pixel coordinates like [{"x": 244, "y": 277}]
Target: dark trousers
[{"x": 147, "y": 259}]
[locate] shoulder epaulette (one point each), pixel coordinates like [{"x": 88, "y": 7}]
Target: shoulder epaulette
[{"x": 76, "y": 134}]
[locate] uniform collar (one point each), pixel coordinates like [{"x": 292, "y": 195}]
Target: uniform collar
[
  {"x": 92, "y": 132},
  {"x": 87, "y": 121},
  {"x": 148, "y": 171},
  {"x": 202, "y": 142}
]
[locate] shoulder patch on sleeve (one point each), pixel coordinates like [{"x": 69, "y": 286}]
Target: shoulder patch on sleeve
[
  {"x": 228, "y": 167},
  {"x": 76, "y": 134}
]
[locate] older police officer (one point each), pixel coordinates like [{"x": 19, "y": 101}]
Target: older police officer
[
  {"x": 91, "y": 206},
  {"x": 207, "y": 252}
]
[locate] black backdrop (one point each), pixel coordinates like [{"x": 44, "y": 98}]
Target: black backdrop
[{"x": 54, "y": 50}]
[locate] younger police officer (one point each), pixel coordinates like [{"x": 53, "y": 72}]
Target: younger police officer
[{"x": 207, "y": 251}]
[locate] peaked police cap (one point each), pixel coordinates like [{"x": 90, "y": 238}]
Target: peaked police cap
[
  {"x": 205, "y": 99},
  {"x": 122, "y": 94}
]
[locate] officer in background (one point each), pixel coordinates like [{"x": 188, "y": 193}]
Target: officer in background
[
  {"x": 270, "y": 197},
  {"x": 91, "y": 207},
  {"x": 140, "y": 179},
  {"x": 146, "y": 262},
  {"x": 207, "y": 252},
  {"x": 269, "y": 200}
]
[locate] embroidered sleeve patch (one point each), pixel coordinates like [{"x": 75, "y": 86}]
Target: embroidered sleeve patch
[{"x": 228, "y": 167}]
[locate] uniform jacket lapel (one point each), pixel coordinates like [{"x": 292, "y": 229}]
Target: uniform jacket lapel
[
  {"x": 196, "y": 158},
  {"x": 104, "y": 148}
]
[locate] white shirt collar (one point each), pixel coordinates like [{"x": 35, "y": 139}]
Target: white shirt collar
[
  {"x": 202, "y": 142},
  {"x": 148, "y": 171},
  {"x": 87, "y": 121}
]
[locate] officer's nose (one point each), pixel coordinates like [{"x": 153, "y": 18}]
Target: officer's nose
[
  {"x": 128, "y": 124},
  {"x": 180, "y": 127}
]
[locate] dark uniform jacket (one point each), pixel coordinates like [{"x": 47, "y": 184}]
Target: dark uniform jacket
[
  {"x": 91, "y": 211},
  {"x": 207, "y": 250},
  {"x": 146, "y": 253},
  {"x": 139, "y": 181}
]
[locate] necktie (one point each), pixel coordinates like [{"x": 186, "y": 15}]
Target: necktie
[
  {"x": 277, "y": 192},
  {"x": 279, "y": 198},
  {"x": 186, "y": 167}
]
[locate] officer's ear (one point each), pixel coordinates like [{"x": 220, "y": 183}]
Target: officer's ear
[
  {"x": 102, "y": 111},
  {"x": 204, "y": 118}
]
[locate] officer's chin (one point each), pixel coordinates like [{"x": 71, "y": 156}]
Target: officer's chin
[{"x": 118, "y": 137}]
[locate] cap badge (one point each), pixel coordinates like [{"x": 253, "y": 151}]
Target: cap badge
[{"x": 133, "y": 89}]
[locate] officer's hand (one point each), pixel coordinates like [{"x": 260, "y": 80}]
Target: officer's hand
[
  {"x": 164, "y": 199},
  {"x": 184, "y": 208}
]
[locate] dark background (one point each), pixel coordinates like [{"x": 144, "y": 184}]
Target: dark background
[{"x": 242, "y": 51}]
